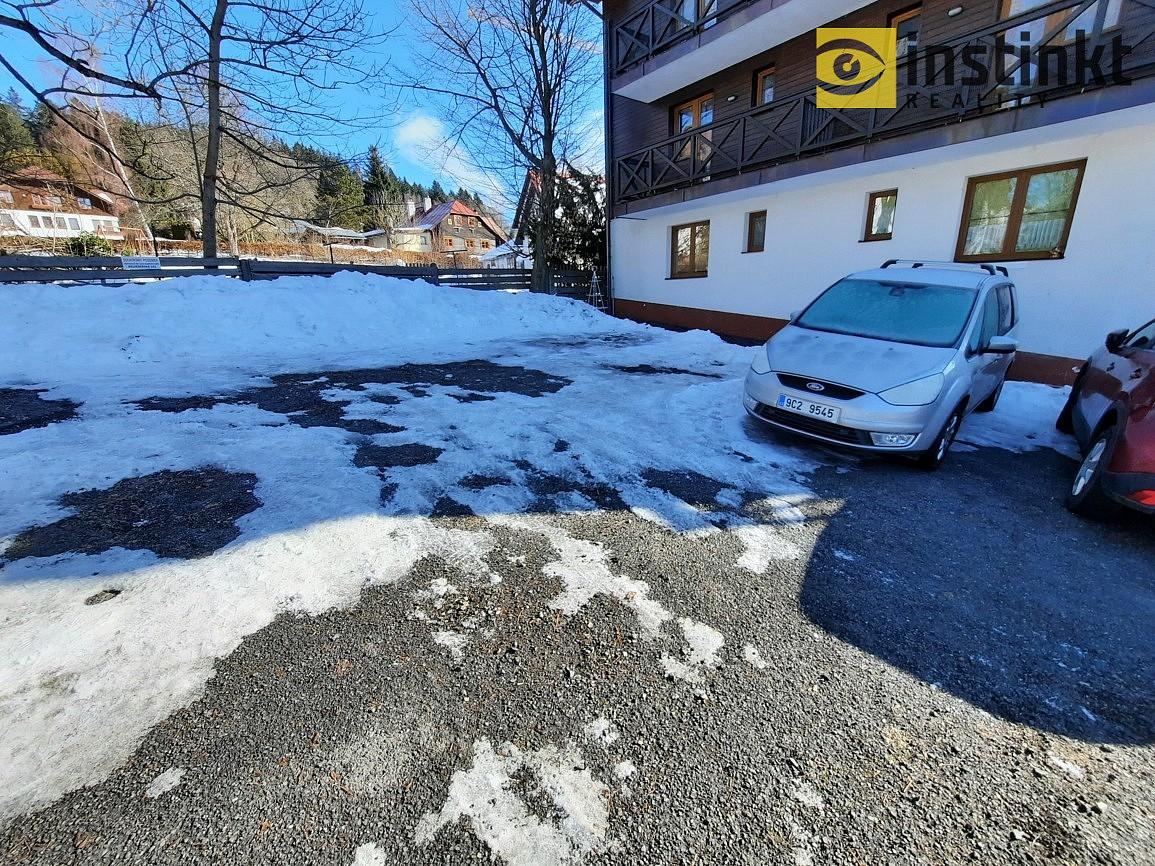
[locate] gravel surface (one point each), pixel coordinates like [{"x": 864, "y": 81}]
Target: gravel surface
[
  {"x": 24, "y": 409},
  {"x": 954, "y": 670}
]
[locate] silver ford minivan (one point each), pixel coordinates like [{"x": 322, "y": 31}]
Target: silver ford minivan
[{"x": 891, "y": 359}]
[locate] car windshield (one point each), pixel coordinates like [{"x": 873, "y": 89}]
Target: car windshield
[{"x": 900, "y": 312}]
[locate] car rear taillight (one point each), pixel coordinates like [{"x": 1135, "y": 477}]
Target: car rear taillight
[{"x": 1143, "y": 497}]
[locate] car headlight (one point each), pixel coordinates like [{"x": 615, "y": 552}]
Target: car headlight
[
  {"x": 916, "y": 393},
  {"x": 760, "y": 364}
]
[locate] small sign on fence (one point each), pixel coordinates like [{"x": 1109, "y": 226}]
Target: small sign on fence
[{"x": 140, "y": 263}]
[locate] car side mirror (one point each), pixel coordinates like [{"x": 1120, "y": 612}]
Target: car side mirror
[
  {"x": 1001, "y": 346},
  {"x": 1115, "y": 340}
]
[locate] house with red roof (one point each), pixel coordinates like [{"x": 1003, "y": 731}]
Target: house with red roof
[{"x": 450, "y": 228}]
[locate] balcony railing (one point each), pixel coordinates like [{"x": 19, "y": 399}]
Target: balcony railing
[
  {"x": 795, "y": 127},
  {"x": 663, "y": 23}
]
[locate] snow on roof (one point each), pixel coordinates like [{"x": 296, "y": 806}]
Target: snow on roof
[
  {"x": 302, "y": 226},
  {"x": 506, "y": 249},
  {"x": 435, "y": 216}
]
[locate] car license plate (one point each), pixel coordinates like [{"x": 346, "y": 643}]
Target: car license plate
[{"x": 805, "y": 407}]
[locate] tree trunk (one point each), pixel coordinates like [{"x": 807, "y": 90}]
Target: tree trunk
[
  {"x": 213, "y": 147},
  {"x": 544, "y": 230}
]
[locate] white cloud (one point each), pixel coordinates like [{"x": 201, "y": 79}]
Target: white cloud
[{"x": 422, "y": 139}]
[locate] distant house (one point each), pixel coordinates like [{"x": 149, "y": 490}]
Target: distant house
[
  {"x": 309, "y": 232},
  {"x": 507, "y": 255},
  {"x": 38, "y": 203},
  {"x": 451, "y": 228}
]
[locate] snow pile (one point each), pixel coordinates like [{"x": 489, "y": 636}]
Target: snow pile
[
  {"x": 215, "y": 331},
  {"x": 1023, "y": 421}
]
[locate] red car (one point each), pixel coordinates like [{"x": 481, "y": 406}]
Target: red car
[{"x": 1111, "y": 411}]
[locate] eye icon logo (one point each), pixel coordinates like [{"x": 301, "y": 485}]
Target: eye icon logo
[{"x": 856, "y": 67}]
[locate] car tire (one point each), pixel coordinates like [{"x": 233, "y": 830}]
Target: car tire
[
  {"x": 1065, "y": 422},
  {"x": 1087, "y": 498},
  {"x": 988, "y": 405},
  {"x": 933, "y": 457}
]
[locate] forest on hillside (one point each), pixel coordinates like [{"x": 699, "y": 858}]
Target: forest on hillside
[{"x": 269, "y": 182}]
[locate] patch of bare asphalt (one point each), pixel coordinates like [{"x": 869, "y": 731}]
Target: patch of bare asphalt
[
  {"x": 650, "y": 370},
  {"x": 183, "y": 514},
  {"x": 318, "y": 399},
  {"x": 24, "y": 409},
  {"x": 321, "y": 734}
]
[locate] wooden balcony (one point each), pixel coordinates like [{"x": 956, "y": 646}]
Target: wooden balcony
[
  {"x": 794, "y": 127},
  {"x": 664, "y": 23}
]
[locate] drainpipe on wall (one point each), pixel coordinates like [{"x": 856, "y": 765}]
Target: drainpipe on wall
[{"x": 607, "y": 115}]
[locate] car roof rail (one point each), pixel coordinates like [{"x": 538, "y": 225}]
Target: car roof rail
[{"x": 993, "y": 270}]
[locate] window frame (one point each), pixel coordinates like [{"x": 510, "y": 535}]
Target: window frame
[
  {"x": 751, "y": 247},
  {"x": 83, "y": 202},
  {"x": 6, "y": 197},
  {"x": 1022, "y": 178},
  {"x": 896, "y": 18},
  {"x": 695, "y": 105},
  {"x": 760, "y": 76},
  {"x": 694, "y": 228},
  {"x": 869, "y": 236}
]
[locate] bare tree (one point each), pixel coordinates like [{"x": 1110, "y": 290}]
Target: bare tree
[
  {"x": 514, "y": 79},
  {"x": 236, "y": 74}
]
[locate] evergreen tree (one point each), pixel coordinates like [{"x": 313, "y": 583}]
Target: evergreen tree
[
  {"x": 340, "y": 195},
  {"x": 581, "y": 224},
  {"x": 437, "y": 193},
  {"x": 17, "y": 146}
]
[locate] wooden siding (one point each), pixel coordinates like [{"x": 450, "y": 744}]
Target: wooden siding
[{"x": 637, "y": 124}]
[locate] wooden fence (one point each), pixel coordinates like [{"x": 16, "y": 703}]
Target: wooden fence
[{"x": 111, "y": 270}]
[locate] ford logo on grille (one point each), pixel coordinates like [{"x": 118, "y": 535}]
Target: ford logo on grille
[{"x": 815, "y": 386}]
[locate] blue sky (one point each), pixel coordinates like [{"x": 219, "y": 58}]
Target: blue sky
[{"x": 411, "y": 138}]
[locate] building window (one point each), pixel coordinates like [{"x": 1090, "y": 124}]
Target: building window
[
  {"x": 424, "y": 241},
  {"x": 447, "y": 243},
  {"x": 84, "y": 203},
  {"x": 34, "y": 221},
  {"x": 880, "y": 209},
  {"x": 1022, "y": 214},
  {"x": 5, "y": 196},
  {"x": 906, "y": 25},
  {"x": 764, "y": 87},
  {"x": 690, "y": 250},
  {"x": 74, "y": 224},
  {"x": 691, "y": 115},
  {"x": 6, "y": 221},
  {"x": 473, "y": 222},
  {"x": 485, "y": 245},
  {"x": 695, "y": 113},
  {"x": 47, "y": 200},
  {"x": 756, "y": 231},
  {"x": 60, "y": 223}
]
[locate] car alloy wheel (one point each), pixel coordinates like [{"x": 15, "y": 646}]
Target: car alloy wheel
[
  {"x": 1087, "y": 497},
  {"x": 933, "y": 458}
]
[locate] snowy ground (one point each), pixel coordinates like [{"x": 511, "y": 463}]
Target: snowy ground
[{"x": 332, "y": 430}]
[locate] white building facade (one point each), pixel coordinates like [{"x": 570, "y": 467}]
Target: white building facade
[{"x": 707, "y": 234}]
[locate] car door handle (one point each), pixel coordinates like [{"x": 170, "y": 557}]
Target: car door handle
[{"x": 1110, "y": 367}]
